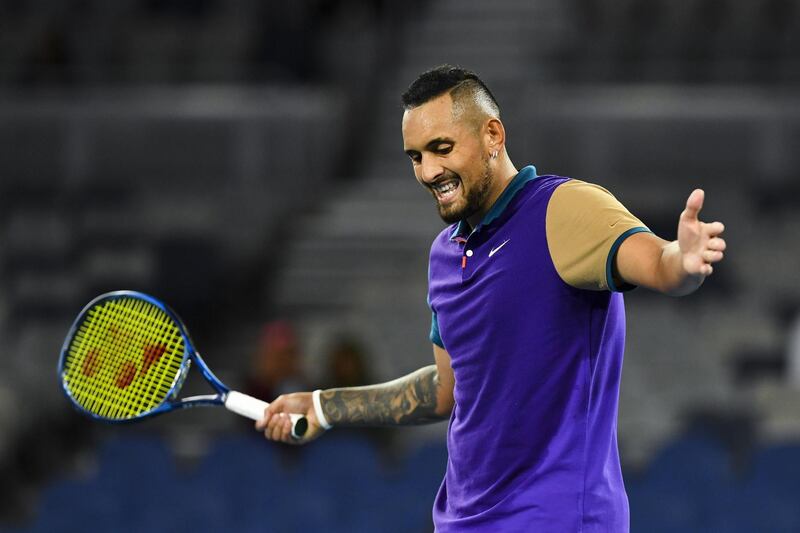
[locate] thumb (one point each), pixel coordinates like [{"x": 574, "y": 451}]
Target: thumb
[
  {"x": 694, "y": 204},
  {"x": 294, "y": 403},
  {"x": 278, "y": 405}
]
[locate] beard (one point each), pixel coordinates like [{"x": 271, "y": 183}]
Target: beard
[{"x": 474, "y": 200}]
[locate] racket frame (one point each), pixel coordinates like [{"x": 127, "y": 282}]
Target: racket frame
[{"x": 170, "y": 403}]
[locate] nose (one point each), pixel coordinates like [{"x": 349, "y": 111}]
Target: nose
[{"x": 429, "y": 170}]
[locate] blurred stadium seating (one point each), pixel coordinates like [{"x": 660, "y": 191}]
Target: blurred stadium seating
[
  {"x": 245, "y": 484},
  {"x": 341, "y": 485}
]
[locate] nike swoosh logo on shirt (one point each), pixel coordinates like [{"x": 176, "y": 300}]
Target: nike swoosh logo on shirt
[{"x": 494, "y": 250}]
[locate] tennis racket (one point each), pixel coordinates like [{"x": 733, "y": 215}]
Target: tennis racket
[{"x": 126, "y": 357}]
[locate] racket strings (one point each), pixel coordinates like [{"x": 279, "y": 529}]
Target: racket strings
[
  {"x": 170, "y": 341},
  {"x": 153, "y": 338},
  {"x": 124, "y": 358},
  {"x": 96, "y": 339}
]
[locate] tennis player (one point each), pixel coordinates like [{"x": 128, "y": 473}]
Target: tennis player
[{"x": 528, "y": 325}]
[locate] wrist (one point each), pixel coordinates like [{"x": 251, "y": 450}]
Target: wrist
[{"x": 323, "y": 422}]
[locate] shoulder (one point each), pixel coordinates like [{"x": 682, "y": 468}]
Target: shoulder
[
  {"x": 533, "y": 198},
  {"x": 574, "y": 193},
  {"x": 579, "y": 202},
  {"x": 585, "y": 225},
  {"x": 543, "y": 186}
]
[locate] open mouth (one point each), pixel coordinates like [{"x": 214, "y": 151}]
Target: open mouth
[{"x": 446, "y": 191}]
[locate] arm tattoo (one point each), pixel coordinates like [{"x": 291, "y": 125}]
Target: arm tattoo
[{"x": 409, "y": 400}]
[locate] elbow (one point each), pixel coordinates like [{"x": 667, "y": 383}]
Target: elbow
[{"x": 444, "y": 407}]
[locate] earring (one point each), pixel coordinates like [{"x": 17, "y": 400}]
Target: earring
[{"x": 494, "y": 154}]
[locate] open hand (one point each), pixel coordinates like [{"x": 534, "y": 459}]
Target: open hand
[{"x": 699, "y": 242}]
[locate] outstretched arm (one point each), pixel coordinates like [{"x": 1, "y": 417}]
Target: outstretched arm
[
  {"x": 679, "y": 267},
  {"x": 422, "y": 397}
]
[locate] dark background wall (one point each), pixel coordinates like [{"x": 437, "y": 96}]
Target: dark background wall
[{"x": 242, "y": 161}]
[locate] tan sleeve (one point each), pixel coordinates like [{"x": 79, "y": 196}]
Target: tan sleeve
[{"x": 585, "y": 225}]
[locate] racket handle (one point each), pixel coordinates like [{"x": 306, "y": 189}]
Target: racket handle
[{"x": 253, "y": 408}]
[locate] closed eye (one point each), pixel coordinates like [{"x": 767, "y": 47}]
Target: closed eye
[
  {"x": 444, "y": 149},
  {"x": 415, "y": 156},
  {"x": 439, "y": 146}
]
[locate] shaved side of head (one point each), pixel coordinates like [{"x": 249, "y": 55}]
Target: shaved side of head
[{"x": 473, "y": 102}]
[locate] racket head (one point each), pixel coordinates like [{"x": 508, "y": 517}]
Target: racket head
[{"x": 125, "y": 357}]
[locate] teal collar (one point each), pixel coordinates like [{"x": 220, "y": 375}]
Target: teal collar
[{"x": 523, "y": 176}]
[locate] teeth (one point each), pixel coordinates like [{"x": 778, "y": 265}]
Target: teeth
[{"x": 445, "y": 187}]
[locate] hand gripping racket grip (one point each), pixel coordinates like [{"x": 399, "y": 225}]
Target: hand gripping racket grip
[{"x": 253, "y": 408}]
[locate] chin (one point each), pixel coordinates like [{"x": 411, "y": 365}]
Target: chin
[{"x": 452, "y": 214}]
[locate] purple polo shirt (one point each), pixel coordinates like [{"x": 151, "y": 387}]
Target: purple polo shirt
[{"x": 532, "y": 438}]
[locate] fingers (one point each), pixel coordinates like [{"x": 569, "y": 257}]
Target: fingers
[
  {"x": 717, "y": 244},
  {"x": 280, "y": 429},
  {"x": 694, "y": 204},
  {"x": 274, "y": 408},
  {"x": 277, "y": 427},
  {"x": 714, "y": 228},
  {"x": 277, "y": 424},
  {"x": 714, "y": 252}
]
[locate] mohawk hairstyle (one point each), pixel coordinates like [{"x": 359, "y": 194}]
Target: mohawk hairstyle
[{"x": 457, "y": 81}]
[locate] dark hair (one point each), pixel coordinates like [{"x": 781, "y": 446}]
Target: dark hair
[{"x": 446, "y": 78}]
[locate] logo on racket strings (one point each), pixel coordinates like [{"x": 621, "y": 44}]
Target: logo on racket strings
[{"x": 128, "y": 370}]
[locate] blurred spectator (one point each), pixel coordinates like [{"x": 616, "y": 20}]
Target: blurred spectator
[
  {"x": 345, "y": 364},
  {"x": 277, "y": 366}
]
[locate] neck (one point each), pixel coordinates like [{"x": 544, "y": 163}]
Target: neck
[{"x": 503, "y": 171}]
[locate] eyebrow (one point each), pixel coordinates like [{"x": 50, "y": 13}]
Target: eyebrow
[{"x": 432, "y": 144}]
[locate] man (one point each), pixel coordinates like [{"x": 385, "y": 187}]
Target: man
[{"x": 528, "y": 325}]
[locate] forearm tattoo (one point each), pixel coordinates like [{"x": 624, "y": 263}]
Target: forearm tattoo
[{"x": 409, "y": 400}]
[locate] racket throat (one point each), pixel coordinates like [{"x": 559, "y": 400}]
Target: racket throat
[{"x": 203, "y": 398}]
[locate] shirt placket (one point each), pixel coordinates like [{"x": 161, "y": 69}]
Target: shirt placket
[{"x": 467, "y": 254}]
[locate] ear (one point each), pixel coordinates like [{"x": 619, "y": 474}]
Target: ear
[{"x": 494, "y": 135}]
